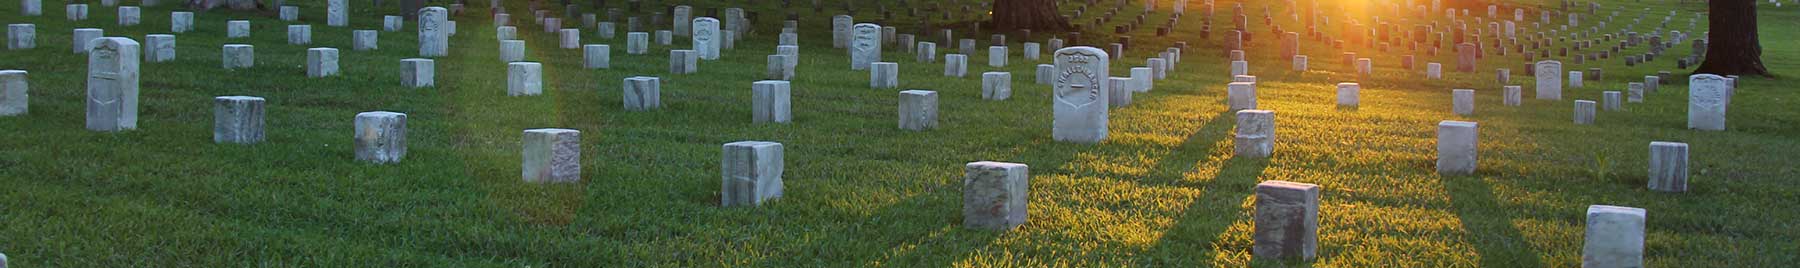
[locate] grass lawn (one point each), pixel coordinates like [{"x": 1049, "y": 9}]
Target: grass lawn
[{"x": 1162, "y": 191}]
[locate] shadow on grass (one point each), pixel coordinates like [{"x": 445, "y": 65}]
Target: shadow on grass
[{"x": 1496, "y": 240}]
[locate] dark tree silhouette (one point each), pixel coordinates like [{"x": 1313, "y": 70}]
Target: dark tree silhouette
[
  {"x": 1732, "y": 46},
  {"x": 1027, "y": 14}
]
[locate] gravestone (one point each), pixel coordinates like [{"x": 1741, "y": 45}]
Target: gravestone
[
  {"x": 792, "y": 53},
  {"x": 1300, "y": 63},
  {"x": 130, "y": 15},
  {"x": 1255, "y": 136},
  {"x": 299, "y": 34},
  {"x": 1634, "y": 92},
  {"x": 1575, "y": 79},
  {"x": 393, "y": 23},
  {"x": 637, "y": 43},
  {"x": 365, "y": 40},
  {"x": 159, "y": 47},
  {"x": 682, "y": 61},
  {"x": 1239, "y": 67},
  {"x": 607, "y": 30},
  {"x": 14, "y": 96},
  {"x": 1032, "y": 51},
  {"x": 1349, "y": 94},
  {"x": 1549, "y": 80},
  {"x": 926, "y": 52},
  {"x": 237, "y": 119},
  {"x": 956, "y": 65},
  {"x": 504, "y": 33},
  {"x": 865, "y": 45},
  {"x": 1615, "y": 237},
  {"x": 1612, "y": 100},
  {"x": 290, "y": 13},
  {"x": 995, "y": 195},
  {"x": 380, "y": 137},
  {"x": 1456, "y": 152},
  {"x": 918, "y": 109},
  {"x": 1365, "y": 67},
  {"x": 770, "y": 102},
  {"x": 840, "y": 31},
  {"x": 29, "y": 8},
  {"x": 84, "y": 38},
  {"x": 1652, "y": 83},
  {"x": 664, "y": 37},
  {"x": 1708, "y": 97},
  {"x": 569, "y": 39},
  {"x": 996, "y": 85},
  {"x": 551, "y": 155},
  {"x": 21, "y": 36},
  {"x": 1140, "y": 79},
  {"x": 751, "y": 173},
  {"x": 1120, "y": 90},
  {"x": 237, "y": 29},
  {"x": 642, "y": 93},
  {"x": 512, "y": 50},
  {"x": 418, "y": 73},
  {"x": 1503, "y": 76},
  {"x": 1434, "y": 71},
  {"x": 1466, "y": 57},
  {"x": 1584, "y": 112},
  {"x": 1158, "y": 69},
  {"x": 238, "y": 56},
  {"x": 1463, "y": 101},
  {"x": 1046, "y": 73},
  {"x": 684, "y": 21},
  {"x": 1080, "y": 95},
  {"x": 997, "y": 56},
  {"x": 524, "y": 79},
  {"x": 1241, "y": 95},
  {"x": 321, "y": 62},
  {"x": 705, "y": 35},
  {"x": 1512, "y": 95},
  {"x": 778, "y": 68},
  {"x": 596, "y": 56},
  {"x": 1668, "y": 166},
  {"x": 884, "y": 75},
  {"x": 1287, "y": 220}
]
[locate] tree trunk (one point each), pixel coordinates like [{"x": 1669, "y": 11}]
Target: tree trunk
[
  {"x": 1037, "y": 15},
  {"x": 1732, "y": 46}
]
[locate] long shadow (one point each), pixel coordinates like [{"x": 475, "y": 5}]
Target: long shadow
[
  {"x": 1498, "y": 242},
  {"x": 1219, "y": 206}
]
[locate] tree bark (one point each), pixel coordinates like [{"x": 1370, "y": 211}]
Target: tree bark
[
  {"x": 1037, "y": 15},
  {"x": 1732, "y": 45}
]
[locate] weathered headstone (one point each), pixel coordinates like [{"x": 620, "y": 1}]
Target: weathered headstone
[
  {"x": 926, "y": 52},
  {"x": 365, "y": 40},
  {"x": 1584, "y": 112},
  {"x": 1080, "y": 95},
  {"x": 1120, "y": 90},
  {"x": 1287, "y": 220},
  {"x": 14, "y": 96},
  {"x": 130, "y": 15},
  {"x": 524, "y": 79},
  {"x": 684, "y": 21},
  {"x": 393, "y": 23},
  {"x": 299, "y": 34},
  {"x": 1239, "y": 67},
  {"x": 237, "y": 119},
  {"x": 1300, "y": 63},
  {"x": 956, "y": 65},
  {"x": 1141, "y": 79},
  {"x": 30, "y": 8},
  {"x": 1434, "y": 71},
  {"x": 1612, "y": 100},
  {"x": 551, "y": 155},
  {"x": 840, "y": 31},
  {"x": 1456, "y": 147},
  {"x": 321, "y": 62},
  {"x": 417, "y": 73},
  {"x": 664, "y": 37},
  {"x": 1046, "y": 73},
  {"x": 1668, "y": 166},
  {"x": 159, "y": 47},
  {"x": 995, "y": 195},
  {"x": 770, "y": 102},
  {"x": 1255, "y": 136},
  {"x": 751, "y": 173},
  {"x": 997, "y": 85},
  {"x": 1349, "y": 94},
  {"x": 1241, "y": 95},
  {"x": 1463, "y": 101},
  {"x": 865, "y": 45},
  {"x": 1032, "y": 51},
  {"x": 682, "y": 61},
  {"x": 884, "y": 75},
  {"x": 637, "y": 43},
  {"x": 21, "y": 36},
  {"x": 237, "y": 29},
  {"x": 706, "y": 37},
  {"x": 237, "y": 56},
  {"x": 1615, "y": 237},
  {"x": 512, "y": 50},
  {"x": 380, "y": 137},
  {"x": 337, "y": 13},
  {"x": 1549, "y": 80},
  {"x": 596, "y": 56},
  {"x": 642, "y": 93},
  {"x": 777, "y": 68},
  {"x": 918, "y": 109},
  {"x": 84, "y": 38},
  {"x": 1512, "y": 95},
  {"x": 1708, "y": 98},
  {"x": 290, "y": 13},
  {"x": 1575, "y": 79}
]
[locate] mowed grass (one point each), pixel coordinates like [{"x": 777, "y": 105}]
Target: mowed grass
[{"x": 1162, "y": 191}]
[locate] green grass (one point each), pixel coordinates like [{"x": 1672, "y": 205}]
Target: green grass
[{"x": 1162, "y": 191}]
